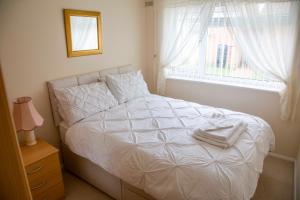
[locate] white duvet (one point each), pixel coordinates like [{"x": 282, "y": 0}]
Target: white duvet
[{"x": 148, "y": 143}]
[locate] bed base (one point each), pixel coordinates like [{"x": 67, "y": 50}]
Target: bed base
[{"x": 101, "y": 179}]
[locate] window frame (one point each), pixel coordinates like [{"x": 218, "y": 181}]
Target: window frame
[{"x": 202, "y": 76}]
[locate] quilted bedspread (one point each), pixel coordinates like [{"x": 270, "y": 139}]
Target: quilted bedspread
[{"x": 148, "y": 143}]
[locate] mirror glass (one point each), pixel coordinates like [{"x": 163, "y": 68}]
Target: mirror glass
[{"x": 84, "y": 32}]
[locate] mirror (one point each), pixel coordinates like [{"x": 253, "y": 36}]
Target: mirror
[{"x": 83, "y": 32}]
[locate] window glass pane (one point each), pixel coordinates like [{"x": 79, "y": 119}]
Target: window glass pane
[
  {"x": 218, "y": 57},
  {"x": 223, "y": 56}
]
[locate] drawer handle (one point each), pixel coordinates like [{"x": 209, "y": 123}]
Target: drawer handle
[
  {"x": 39, "y": 185},
  {"x": 34, "y": 170}
]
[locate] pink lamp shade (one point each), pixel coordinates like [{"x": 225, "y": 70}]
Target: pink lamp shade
[{"x": 25, "y": 115}]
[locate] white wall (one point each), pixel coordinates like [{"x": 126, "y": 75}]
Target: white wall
[
  {"x": 150, "y": 69},
  {"x": 264, "y": 104},
  {"x": 33, "y": 46}
]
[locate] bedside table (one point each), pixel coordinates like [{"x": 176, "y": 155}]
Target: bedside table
[{"x": 43, "y": 171}]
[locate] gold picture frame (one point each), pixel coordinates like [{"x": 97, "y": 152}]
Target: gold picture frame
[{"x": 94, "y": 47}]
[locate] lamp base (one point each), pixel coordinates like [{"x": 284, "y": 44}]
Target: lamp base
[{"x": 29, "y": 138}]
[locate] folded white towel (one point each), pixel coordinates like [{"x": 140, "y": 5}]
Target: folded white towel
[
  {"x": 223, "y": 137},
  {"x": 220, "y": 129}
]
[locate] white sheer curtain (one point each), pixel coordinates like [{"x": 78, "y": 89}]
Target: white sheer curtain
[
  {"x": 267, "y": 32},
  {"x": 181, "y": 25}
]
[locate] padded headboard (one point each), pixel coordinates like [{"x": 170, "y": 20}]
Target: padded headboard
[{"x": 76, "y": 80}]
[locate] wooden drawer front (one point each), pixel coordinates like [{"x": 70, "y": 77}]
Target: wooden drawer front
[
  {"x": 44, "y": 174},
  {"x": 54, "y": 193}
]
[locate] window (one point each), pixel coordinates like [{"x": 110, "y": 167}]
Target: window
[{"x": 218, "y": 58}]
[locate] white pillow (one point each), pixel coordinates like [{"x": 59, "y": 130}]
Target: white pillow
[
  {"x": 79, "y": 102},
  {"x": 127, "y": 86}
]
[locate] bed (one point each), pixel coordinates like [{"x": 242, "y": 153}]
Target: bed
[{"x": 143, "y": 149}]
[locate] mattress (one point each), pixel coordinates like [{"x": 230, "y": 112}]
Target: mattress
[{"x": 147, "y": 142}]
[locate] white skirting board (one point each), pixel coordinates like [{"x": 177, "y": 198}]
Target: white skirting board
[{"x": 282, "y": 157}]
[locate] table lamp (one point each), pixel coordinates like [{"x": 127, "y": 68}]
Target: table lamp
[{"x": 27, "y": 119}]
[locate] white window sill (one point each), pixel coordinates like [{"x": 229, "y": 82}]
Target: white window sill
[{"x": 231, "y": 84}]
